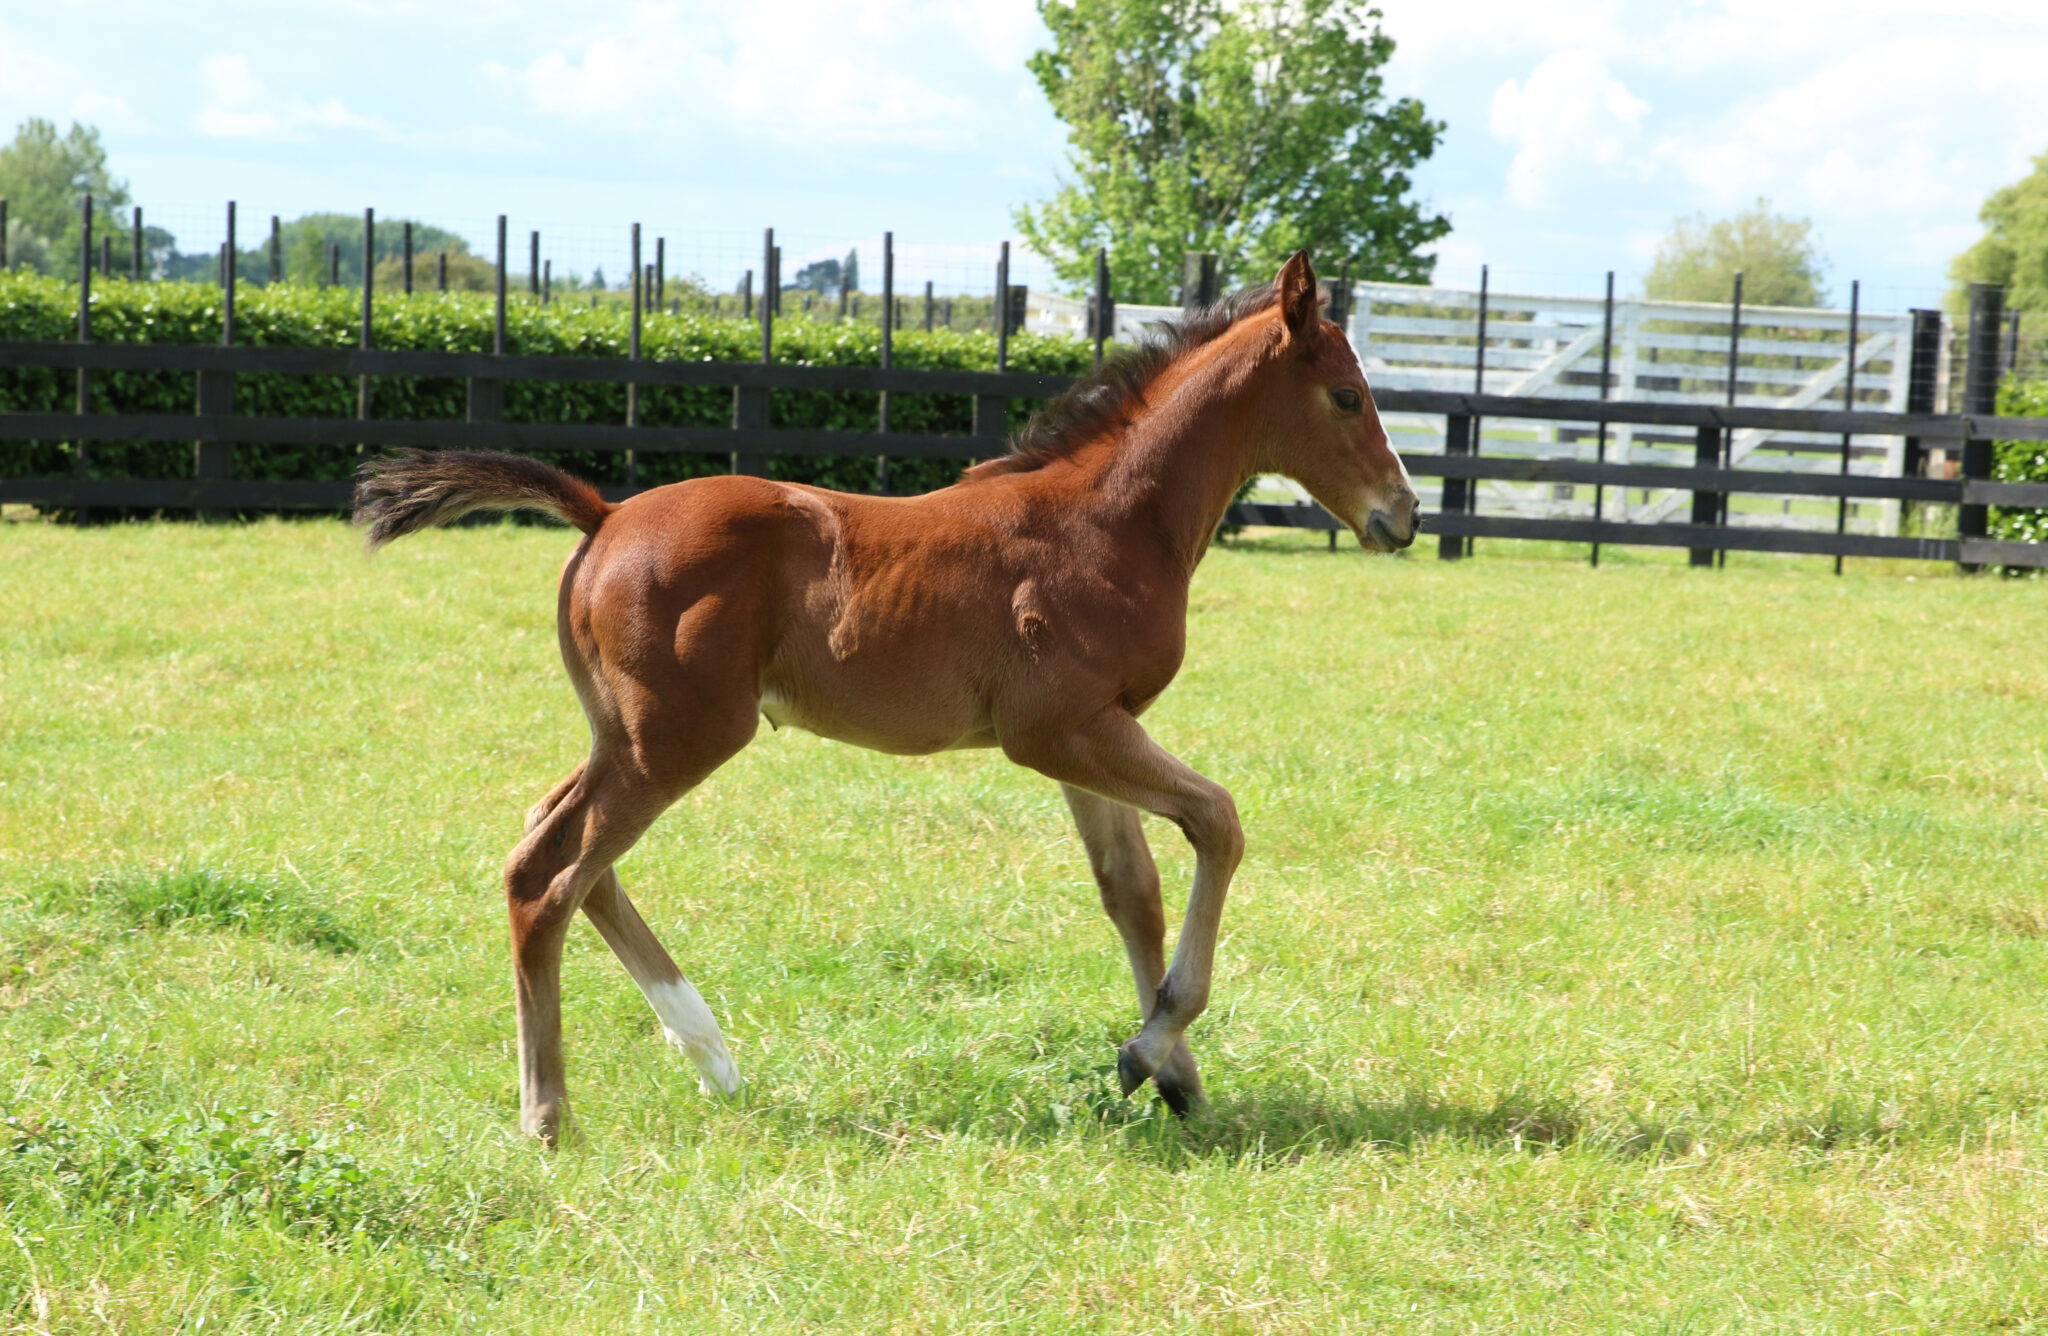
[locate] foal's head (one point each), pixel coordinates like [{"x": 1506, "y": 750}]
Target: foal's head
[{"x": 1321, "y": 427}]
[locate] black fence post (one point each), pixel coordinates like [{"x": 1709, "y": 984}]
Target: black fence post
[
  {"x": 276, "y": 250},
  {"x": 135, "y": 245},
  {"x": 334, "y": 264},
  {"x": 1600, "y": 446},
  {"x": 1848, "y": 406},
  {"x": 547, "y": 282},
  {"x": 640, "y": 294},
  {"x": 498, "y": 329},
  {"x": 1477, "y": 428},
  {"x": 214, "y": 460},
  {"x": 3, "y": 233},
  {"x": 1920, "y": 377},
  {"x": 227, "y": 280},
  {"x": 928, "y": 305},
  {"x": 888, "y": 347},
  {"x": 1457, "y": 441},
  {"x": 1102, "y": 310},
  {"x": 751, "y": 406},
  {"x": 363, "y": 340},
  {"x": 1002, "y": 312},
  {"x": 84, "y": 321},
  {"x": 441, "y": 271},
  {"x": 405, "y": 257},
  {"x": 1980, "y": 399},
  {"x": 487, "y": 393},
  {"x": 1734, "y": 379},
  {"x": 660, "y": 268},
  {"x": 533, "y": 264},
  {"x": 1706, "y": 506}
]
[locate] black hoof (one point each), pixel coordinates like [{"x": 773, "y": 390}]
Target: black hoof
[
  {"x": 1129, "y": 1074},
  {"x": 1179, "y": 1101}
]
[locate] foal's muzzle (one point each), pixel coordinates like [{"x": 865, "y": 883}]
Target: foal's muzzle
[{"x": 1389, "y": 534}]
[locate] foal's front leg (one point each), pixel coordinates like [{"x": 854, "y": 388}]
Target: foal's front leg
[
  {"x": 1129, "y": 882},
  {"x": 1110, "y": 755}
]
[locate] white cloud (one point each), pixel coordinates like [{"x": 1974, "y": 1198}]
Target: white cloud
[
  {"x": 789, "y": 70},
  {"x": 237, "y": 105},
  {"x": 1571, "y": 113}
]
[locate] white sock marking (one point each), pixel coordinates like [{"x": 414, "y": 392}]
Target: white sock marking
[{"x": 691, "y": 1027}]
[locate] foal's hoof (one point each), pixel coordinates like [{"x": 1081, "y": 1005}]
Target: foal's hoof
[
  {"x": 1131, "y": 1071},
  {"x": 1180, "y": 1101}
]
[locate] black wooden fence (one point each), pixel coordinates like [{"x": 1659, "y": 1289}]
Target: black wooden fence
[{"x": 215, "y": 429}]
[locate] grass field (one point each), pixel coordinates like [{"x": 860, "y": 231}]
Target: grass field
[{"x": 1641, "y": 950}]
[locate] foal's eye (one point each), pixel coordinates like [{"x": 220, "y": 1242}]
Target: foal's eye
[{"x": 1348, "y": 400}]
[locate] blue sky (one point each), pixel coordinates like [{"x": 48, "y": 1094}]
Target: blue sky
[{"x": 1577, "y": 131}]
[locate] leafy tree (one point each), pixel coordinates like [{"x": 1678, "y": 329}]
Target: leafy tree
[
  {"x": 1251, "y": 128},
  {"x": 2013, "y": 251},
  {"x": 307, "y": 239},
  {"x": 818, "y": 276},
  {"x": 43, "y": 175},
  {"x": 1776, "y": 256}
]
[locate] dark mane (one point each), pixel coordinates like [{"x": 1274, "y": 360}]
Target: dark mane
[{"x": 1107, "y": 399}]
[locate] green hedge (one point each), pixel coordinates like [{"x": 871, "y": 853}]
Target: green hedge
[
  {"x": 37, "y": 308},
  {"x": 2021, "y": 461}
]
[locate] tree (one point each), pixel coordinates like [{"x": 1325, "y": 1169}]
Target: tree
[
  {"x": 308, "y": 237},
  {"x": 849, "y": 272},
  {"x": 43, "y": 176},
  {"x": 1251, "y": 128},
  {"x": 1776, "y": 256},
  {"x": 819, "y": 276},
  {"x": 2013, "y": 251}
]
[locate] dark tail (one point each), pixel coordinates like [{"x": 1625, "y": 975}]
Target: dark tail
[{"x": 418, "y": 489}]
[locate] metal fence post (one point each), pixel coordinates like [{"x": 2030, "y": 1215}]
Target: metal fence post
[
  {"x": 1980, "y": 399},
  {"x": 1600, "y": 448}
]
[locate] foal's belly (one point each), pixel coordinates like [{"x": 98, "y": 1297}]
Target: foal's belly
[{"x": 877, "y": 725}]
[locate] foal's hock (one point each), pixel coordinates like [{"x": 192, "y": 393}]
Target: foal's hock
[{"x": 1038, "y": 605}]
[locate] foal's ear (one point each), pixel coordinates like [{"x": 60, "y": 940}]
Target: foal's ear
[{"x": 1300, "y": 309}]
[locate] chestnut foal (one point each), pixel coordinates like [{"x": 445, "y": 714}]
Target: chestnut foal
[{"x": 1038, "y": 605}]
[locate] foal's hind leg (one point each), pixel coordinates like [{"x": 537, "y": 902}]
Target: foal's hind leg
[
  {"x": 584, "y": 824},
  {"x": 685, "y": 1019},
  {"x": 1129, "y": 882}
]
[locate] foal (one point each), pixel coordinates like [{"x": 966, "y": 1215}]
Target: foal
[{"x": 1038, "y": 605}]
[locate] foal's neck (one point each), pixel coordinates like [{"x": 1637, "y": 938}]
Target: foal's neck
[{"x": 1175, "y": 469}]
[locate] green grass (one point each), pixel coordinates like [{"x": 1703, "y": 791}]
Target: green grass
[{"x": 1636, "y": 950}]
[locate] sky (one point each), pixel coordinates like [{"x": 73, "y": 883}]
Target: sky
[{"x": 1577, "y": 132}]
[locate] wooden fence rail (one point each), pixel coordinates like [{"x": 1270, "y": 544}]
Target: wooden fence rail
[{"x": 216, "y": 428}]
